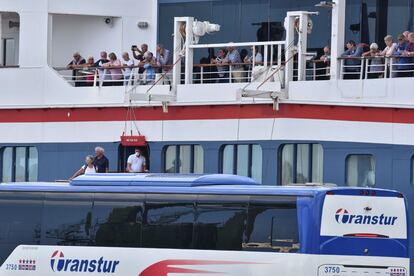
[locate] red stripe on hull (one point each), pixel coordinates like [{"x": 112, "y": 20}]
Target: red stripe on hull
[{"x": 259, "y": 111}]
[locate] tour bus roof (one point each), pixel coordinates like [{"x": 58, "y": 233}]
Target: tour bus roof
[{"x": 181, "y": 184}]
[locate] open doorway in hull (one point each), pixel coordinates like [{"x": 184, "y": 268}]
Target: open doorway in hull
[{"x": 125, "y": 151}]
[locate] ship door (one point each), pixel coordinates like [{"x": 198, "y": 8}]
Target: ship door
[{"x": 125, "y": 151}]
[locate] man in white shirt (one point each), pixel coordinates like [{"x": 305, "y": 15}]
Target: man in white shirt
[
  {"x": 127, "y": 63},
  {"x": 136, "y": 162}
]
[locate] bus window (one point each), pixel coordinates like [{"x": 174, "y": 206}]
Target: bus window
[
  {"x": 272, "y": 227},
  {"x": 220, "y": 225},
  {"x": 67, "y": 219},
  {"x": 168, "y": 225},
  {"x": 117, "y": 220},
  {"x": 20, "y": 220}
]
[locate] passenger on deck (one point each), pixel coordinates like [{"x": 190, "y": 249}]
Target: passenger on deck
[
  {"x": 352, "y": 63},
  {"x": 234, "y": 60},
  {"x": 88, "y": 168},
  {"x": 100, "y": 162},
  {"x": 409, "y": 52},
  {"x": 376, "y": 62},
  {"x": 401, "y": 61},
  {"x": 406, "y": 34},
  {"x": 258, "y": 56},
  {"x": 390, "y": 48},
  {"x": 162, "y": 57},
  {"x": 139, "y": 54},
  {"x": 222, "y": 68},
  {"x": 114, "y": 68},
  {"x": 136, "y": 162},
  {"x": 149, "y": 65},
  {"x": 105, "y": 76},
  {"x": 326, "y": 57},
  {"x": 323, "y": 71},
  {"x": 89, "y": 71},
  {"x": 127, "y": 63},
  {"x": 75, "y": 65}
]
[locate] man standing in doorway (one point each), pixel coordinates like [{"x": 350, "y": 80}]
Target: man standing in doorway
[
  {"x": 136, "y": 162},
  {"x": 101, "y": 162}
]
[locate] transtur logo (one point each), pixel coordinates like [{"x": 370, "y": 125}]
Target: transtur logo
[
  {"x": 342, "y": 216},
  {"x": 59, "y": 263}
]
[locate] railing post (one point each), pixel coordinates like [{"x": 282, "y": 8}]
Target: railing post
[
  {"x": 230, "y": 71},
  {"x": 361, "y": 74},
  {"x": 367, "y": 66},
  {"x": 314, "y": 70},
  {"x": 391, "y": 68},
  {"x": 265, "y": 53},
  {"x": 385, "y": 67},
  {"x": 95, "y": 77},
  {"x": 201, "y": 74},
  {"x": 341, "y": 69}
]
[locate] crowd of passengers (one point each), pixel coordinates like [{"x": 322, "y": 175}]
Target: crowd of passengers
[
  {"x": 401, "y": 53},
  {"x": 231, "y": 65},
  {"x": 228, "y": 64},
  {"x": 117, "y": 72}
]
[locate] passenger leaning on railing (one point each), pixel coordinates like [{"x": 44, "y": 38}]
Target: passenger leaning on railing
[
  {"x": 127, "y": 63},
  {"x": 149, "y": 64},
  {"x": 403, "y": 61},
  {"x": 75, "y": 65},
  {"x": 113, "y": 67},
  {"x": 89, "y": 71},
  {"x": 375, "y": 62},
  {"x": 234, "y": 60},
  {"x": 101, "y": 72},
  {"x": 352, "y": 63},
  {"x": 222, "y": 67}
]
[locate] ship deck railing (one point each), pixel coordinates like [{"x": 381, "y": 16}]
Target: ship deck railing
[
  {"x": 376, "y": 67},
  {"x": 350, "y": 68}
]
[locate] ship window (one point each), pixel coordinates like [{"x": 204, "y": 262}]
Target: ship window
[
  {"x": 184, "y": 159},
  {"x": 245, "y": 160},
  {"x": 9, "y": 39},
  {"x": 360, "y": 170},
  {"x": 19, "y": 164},
  {"x": 301, "y": 163}
]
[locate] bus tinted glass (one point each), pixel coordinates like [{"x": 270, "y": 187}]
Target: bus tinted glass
[
  {"x": 220, "y": 223},
  {"x": 67, "y": 219},
  {"x": 20, "y": 220},
  {"x": 117, "y": 220},
  {"x": 272, "y": 225}
]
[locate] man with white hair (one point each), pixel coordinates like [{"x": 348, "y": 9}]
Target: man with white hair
[
  {"x": 376, "y": 62},
  {"x": 101, "y": 163},
  {"x": 76, "y": 64}
]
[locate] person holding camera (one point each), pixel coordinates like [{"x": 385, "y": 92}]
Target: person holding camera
[{"x": 139, "y": 54}]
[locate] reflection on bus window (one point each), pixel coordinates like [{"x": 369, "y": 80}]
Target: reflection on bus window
[
  {"x": 301, "y": 163},
  {"x": 272, "y": 227},
  {"x": 245, "y": 160},
  {"x": 184, "y": 159},
  {"x": 360, "y": 170}
]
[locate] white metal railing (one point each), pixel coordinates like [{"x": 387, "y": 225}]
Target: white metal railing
[
  {"x": 376, "y": 67},
  {"x": 271, "y": 53},
  {"x": 100, "y": 76}
]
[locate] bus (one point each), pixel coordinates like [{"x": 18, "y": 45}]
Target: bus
[{"x": 167, "y": 224}]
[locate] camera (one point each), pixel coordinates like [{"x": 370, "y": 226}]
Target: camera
[{"x": 108, "y": 20}]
